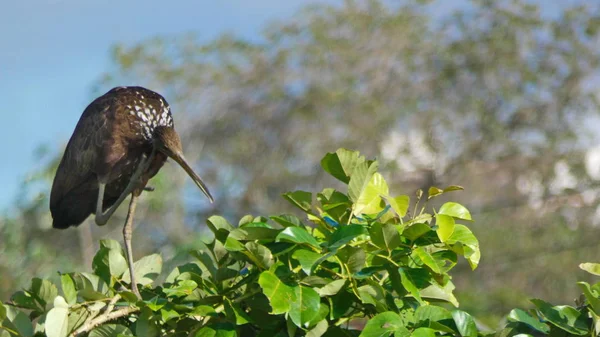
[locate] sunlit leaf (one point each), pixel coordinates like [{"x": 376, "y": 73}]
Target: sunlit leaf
[
  {"x": 445, "y": 225},
  {"x": 280, "y": 294},
  {"x": 145, "y": 269},
  {"x": 305, "y": 306},
  {"x": 464, "y": 323},
  {"x": 298, "y": 235},
  {"x": 399, "y": 204},
  {"x": 370, "y": 197},
  {"x": 300, "y": 199},
  {"x": 592, "y": 268},
  {"x": 563, "y": 316},
  {"x": 341, "y": 164},
  {"x": 385, "y": 324},
  {"x": 307, "y": 259},
  {"x": 57, "y": 320},
  {"x": 456, "y": 210}
]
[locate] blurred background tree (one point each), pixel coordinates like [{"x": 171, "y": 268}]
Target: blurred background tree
[{"x": 495, "y": 97}]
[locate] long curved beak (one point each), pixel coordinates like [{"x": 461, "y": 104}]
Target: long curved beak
[{"x": 180, "y": 159}]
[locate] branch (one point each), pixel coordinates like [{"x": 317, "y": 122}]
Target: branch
[{"x": 103, "y": 319}]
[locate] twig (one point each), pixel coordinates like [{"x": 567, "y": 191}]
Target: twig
[
  {"x": 88, "y": 326},
  {"x": 111, "y": 304}
]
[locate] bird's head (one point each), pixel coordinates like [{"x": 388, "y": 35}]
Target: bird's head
[{"x": 167, "y": 141}]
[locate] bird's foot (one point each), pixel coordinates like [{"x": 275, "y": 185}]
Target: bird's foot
[{"x": 149, "y": 189}]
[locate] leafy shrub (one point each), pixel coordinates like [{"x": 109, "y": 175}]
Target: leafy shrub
[{"x": 357, "y": 257}]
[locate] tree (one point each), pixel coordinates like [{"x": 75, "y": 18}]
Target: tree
[{"x": 494, "y": 97}]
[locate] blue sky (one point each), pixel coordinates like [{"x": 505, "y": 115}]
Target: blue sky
[{"x": 51, "y": 51}]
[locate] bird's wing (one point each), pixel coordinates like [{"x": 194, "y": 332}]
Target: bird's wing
[{"x": 80, "y": 161}]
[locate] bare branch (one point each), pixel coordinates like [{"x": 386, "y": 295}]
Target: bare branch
[{"x": 108, "y": 316}]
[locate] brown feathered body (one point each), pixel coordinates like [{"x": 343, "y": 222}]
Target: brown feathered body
[{"x": 108, "y": 143}]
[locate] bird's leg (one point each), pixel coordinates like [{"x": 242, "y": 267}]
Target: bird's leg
[
  {"x": 127, "y": 231},
  {"x": 102, "y": 217}
]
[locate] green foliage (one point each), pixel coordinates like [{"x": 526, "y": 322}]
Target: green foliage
[
  {"x": 493, "y": 97},
  {"x": 353, "y": 258}
]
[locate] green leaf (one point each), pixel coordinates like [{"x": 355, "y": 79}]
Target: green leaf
[
  {"x": 156, "y": 303},
  {"x": 341, "y": 164},
  {"x": 445, "y": 225},
  {"x": 384, "y": 324},
  {"x": 287, "y": 220},
  {"x": 434, "y": 192},
  {"x": 360, "y": 179},
  {"x": 409, "y": 284},
  {"x": 217, "y": 330},
  {"x": 246, "y": 219},
  {"x": 453, "y": 188},
  {"x": 306, "y": 258},
  {"x": 280, "y": 295},
  {"x": 466, "y": 244},
  {"x": 374, "y": 294},
  {"x": 297, "y": 235},
  {"x": 305, "y": 306},
  {"x": 319, "y": 329},
  {"x": 260, "y": 255},
  {"x": 428, "y": 259},
  {"x": 423, "y": 332},
  {"x": 77, "y": 317},
  {"x": 439, "y": 293},
  {"x": 145, "y": 325},
  {"x": 68, "y": 288},
  {"x": 44, "y": 291},
  {"x": 300, "y": 199},
  {"x": 455, "y": 210},
  {"x": 464, "y": 323},
  {"x": 57, "y": 320},
  {"x": 592, "y": 295},
  {"x": 90, "y": 287},
  {"x": 385, "y": 236},
  {"x": 19, "y": 322},
  {"x": 321, "y": 315},
  {"x": 219, "y": 226},
  {"x": 518, "y": 315},
  {"x": 236, "y": 313},
  {"x": 431, "y": 313},
  {"x": 25, "y": 300},
  {"x": 370, "y": 198},
  {"x": 415, "y": 231},
  {"x": 592, "y": 268},
  {"x": 2, "y": 312},
  {"x": 146, "y": 269},
  {"x": 233, "y": 245},
  {"x": 108, "y": 263},
  {"x": 563, "y": 316},
  {"x": 345, "y": 234},
  {"x": 332, "y": 288},
  {"x": 353, "y": 257},
  {"x": 110, "y": 244},
  {"x": 399, "y": 204},
  {"x": 111, "y": 330},
  {"x": 182, "y": 289},
  {"x": 168, "y": 314},
  {"x": 253, "y": 233},
  {"x": 184, "y": 271}
]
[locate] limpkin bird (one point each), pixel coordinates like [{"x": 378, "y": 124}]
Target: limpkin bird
[{"x": 122, "y": 140}]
